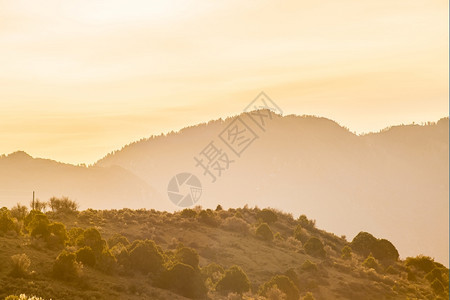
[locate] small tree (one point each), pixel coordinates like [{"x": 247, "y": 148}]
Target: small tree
[
  {"x": 58, "y": 235},
  {"x": 66, "y": 267},
  {"x": 86, "y": 256},
  {"x": 267, "y": 216},
  {"x": 145, "y": 256},
  {"x": 284, "y": 284},
  {"x": 234, "y": 280},
  {"x": 187, "y": 256},
  {"x": 264, "y": 232},
  {"x": 184, "y": 280},
  {"x": 371, "y": 262},
  {"x": 346, "y": 253},
  {"x": 117, "y": 238},
  {"x": 20, "y": 264},
  {"x": 6, "y": 222},
  {"x": 314, "y": 247}
]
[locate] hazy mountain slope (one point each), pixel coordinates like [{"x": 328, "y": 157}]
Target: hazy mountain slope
[
  {"x": 393, "y": 183},
  {"x": 95, "y": 187}
]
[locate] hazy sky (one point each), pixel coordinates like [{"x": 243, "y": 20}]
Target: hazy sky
[{"x": 81, "y": 78}]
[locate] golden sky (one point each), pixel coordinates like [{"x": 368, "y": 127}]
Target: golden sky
[{"x": 81, "y": 78}]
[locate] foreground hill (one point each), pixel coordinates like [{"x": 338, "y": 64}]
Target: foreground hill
[
  {"x": 146, "y": 254},
  {"x": 394, "y": 183}
]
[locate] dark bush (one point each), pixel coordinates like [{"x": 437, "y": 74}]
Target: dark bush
[
  {"x": 58, "y": 235},
  {"x": 309, "y": 266},
  {"x": 305, "y": 223},
  {"x": 117, "y": 238},
  {"x": 207, "y": 217},
  {"x": 346, "y": 253},
  {"x": 267, "y": 216},
  {"x": 421, "y": 263},
  {"x": 6, "y": 222},
  {"x": 264, "y": 232},
  {"x": 213, "y": 271},
  {"x": 38, "y": 226},
  {"x": 284, "y": 284},
  {"x": 301, "y": 234},
  {"x": 236, "y": 224},
  {"x": 437, "y": 287},
  {"x": 145, "y": 257},
  {"x": 106, "y": 262},
  {"x": 65, "y": 266},
  {"x": 365, "y": 243},
  {"x": 219, "y": 207},
  {"x": 92, "y": 238},
  {"x": 19, "y": 212},
  {"x": 75, "y": 236},
  {"x": 371, "y": 262},
  {"x": 188, "y": 213},
  {"x": 183, "y": 280},
  {"x": 187, "y": 256},
  {"x": 86, "y": 256},
  {"x": 435, "y": 274},
  {"x": 292, "y": 276},
  {"x": 233, "y": 281},
  {"x": 314, "y": 247}
]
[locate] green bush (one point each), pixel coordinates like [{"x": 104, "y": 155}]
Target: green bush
[
  {"x": 437, "y": 287},
  {"x": 421, "y": 262},
  {"x": 267, "y": 216},
  {"x": 20, "y": 264},
  {"x": 364, "y": 243},
  {"x": 58, "y": 235},
  {"x": 38, "y": 226},
  {"x": 117, "y": 238},
  {"x": 187, "y": 256},
  {"x": 293, "y": 276},
  {"x": 92, "y": 238},
  {"x": 19, "y": 212},
  {"x": 301, "y": 234},
  {"x": 145, "y": 256},
  {"x": 309, "y": 266},
  {"x": 233, "y": 281},
  {"x": 86, "y": 256},
  {"x": 6, "y": 222},
  {"x": 305, "y": 223},
  {"x": 183, "y": 280},
  {"x": 284, "y": 284},
  {"x": 346, "y": 253},
  {"x": 63, "y": 205},
  {"x": 213, "y": 271},
  {"x": 106, "y": 262},
  {"x": 314, "y": 247},
  {"x": 75, "y": 236},
  {"x": 371, "y": 262},
  {"x": 264, "y": 232},
  {"x": 207, "y": 217},
  {"x": 66, "y": 266},
  {"x": 188, "y": 213}
]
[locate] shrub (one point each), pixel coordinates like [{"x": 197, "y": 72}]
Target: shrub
[
  {"x": 434, "y": 274},
  {"x": 19, "y": 211},
  {"x": 86, "y": 256},
  {"x": 264, "y": 232},
  {"x": 421, "y": 262},
  {"x": 292, "y": 276},
  {"x": 219, "y": 207},
  {"x": 437, "y": 287},
  {"x": 91, "y": 237},
  {"x": 301, "y": 234},
  {"x": 187, "y": 256},
  {"x": 6, "y": 222},
  {"x": 309, "y": 266},
  {"x": 188, "y": 213},
  {"x": 38, "y": 226},
  {"x": 63, "y": 205},
  {"x": 364, "y": 243},
  {"x": 346, "y": 253},
  {"x": 20, "y": 264},
  {"x": 75, "y": 236},
  {"x": 234, "y": 280},
  {"x": 66, "y": 267},
  {"x": 308, "y": 296},
  {"x": 284, "y": 284},
  {"x": 58, "y": 235},
  {"x": 305, "y": 223},
  {"x": 117, "y": 238},
  {"x": 236, "y": 224},
  {"x": 145, "y": 256},
  {"x": 314, "y": 247},
  {"x": 208, "y": 217},
  {"x": 371, "y": 262},
  {"x": 106, "y": 262},
  {"x": 267, "y": 216},
  {"x": 213, "y": 271},
  {"x": 274, "y": 293},
  {"x": 184, "y": 280}
]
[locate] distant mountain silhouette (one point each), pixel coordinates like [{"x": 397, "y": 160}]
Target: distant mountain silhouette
[
  {"x": 394, "y": 183},
  {"x": 94, "y": 187}
]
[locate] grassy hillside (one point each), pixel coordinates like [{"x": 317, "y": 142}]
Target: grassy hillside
[{"x": 191, "y": 254}]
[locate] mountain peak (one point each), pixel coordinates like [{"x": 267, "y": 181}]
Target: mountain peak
[{"x": 19, "y": 155}]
